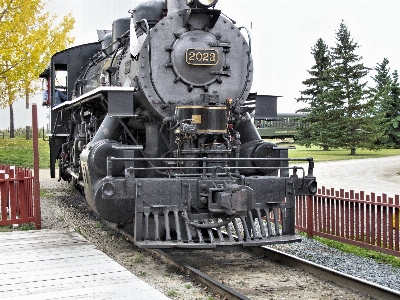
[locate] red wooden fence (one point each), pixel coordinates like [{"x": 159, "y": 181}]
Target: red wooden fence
[
  {"x": 367, "y": 221},
  {"x": 16, "y": 196},
  {"x": 20, "y": 188}
]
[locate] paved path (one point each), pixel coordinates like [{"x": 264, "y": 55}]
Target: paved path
[{"x": 378, "y": 175}]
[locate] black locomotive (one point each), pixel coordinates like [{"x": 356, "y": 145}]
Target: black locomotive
[{"x": 157, "y": 134}]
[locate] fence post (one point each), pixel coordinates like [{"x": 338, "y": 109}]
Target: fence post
[
  {"x": 310, "y": 217},
  {"x": 396, "y": 223},
  {"x": 4, "y": 195},
  {"x": 36, "y": 182}
]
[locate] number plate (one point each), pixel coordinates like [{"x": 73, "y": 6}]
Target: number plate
[{"x": 202, "y": 57}]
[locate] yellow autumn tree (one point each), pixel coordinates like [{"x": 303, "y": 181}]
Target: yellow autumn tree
[{"x": 29, "y": 36}]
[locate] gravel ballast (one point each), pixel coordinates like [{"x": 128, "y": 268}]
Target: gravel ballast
[
  {"x": 363, "y": 268},
  {"x": 377, "y": 175}
]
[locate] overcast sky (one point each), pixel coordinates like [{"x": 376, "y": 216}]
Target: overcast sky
[{"x": 283, "y": 33}]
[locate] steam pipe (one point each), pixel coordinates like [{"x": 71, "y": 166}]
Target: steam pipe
[{"x": 108, "y": 129}]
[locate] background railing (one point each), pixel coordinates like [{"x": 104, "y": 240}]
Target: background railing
[{"x": 367, "y": 221}]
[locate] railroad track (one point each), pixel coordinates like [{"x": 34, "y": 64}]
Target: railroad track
[
  {"x": 339, "y": 278},
  {"x": 328, "y": 283},
  {"x": 265, "y": 273},
  {"x": 232, "y": 274}
]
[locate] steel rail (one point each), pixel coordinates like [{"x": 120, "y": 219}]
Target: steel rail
[
  {"x": 217, "y": 287},
  {"x": 353, "y": 283},
  {"x": 212, "y": 284}
]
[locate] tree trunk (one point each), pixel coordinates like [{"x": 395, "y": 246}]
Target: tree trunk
[
  {"x": 353, "y": 151},
  {"x": 12, "y": 131},
  {"x": 27, "y": 100}
]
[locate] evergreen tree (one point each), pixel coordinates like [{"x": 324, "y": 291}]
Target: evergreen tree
[
  {"x": 356, "y": 124},
  {"x": 381, "y": 94},
  {"x": 315, "y": 130},
  {"x": 387, "y": 97},
  {"x": 392, "y": 113},
  {"x": 382, "y": 77}
]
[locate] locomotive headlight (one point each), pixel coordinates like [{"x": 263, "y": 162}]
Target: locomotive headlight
[
  {"x": 207, "y": 3},
  {"x": 202, "y": 3},
  {"x": 108, "y": 189}
]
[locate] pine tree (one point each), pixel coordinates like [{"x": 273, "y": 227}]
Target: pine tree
[
  {"x": 315, "y": 130},
  {"x": 381, "y": 94},
  {"x": 356, "y": 124},
  {"x": 387, "y": 97},
  {"x": 382, "y": 77},
  {"x": 392, "y": 113}
]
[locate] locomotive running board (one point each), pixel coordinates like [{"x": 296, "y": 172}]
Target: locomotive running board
[{"x": 285, "y": 239}]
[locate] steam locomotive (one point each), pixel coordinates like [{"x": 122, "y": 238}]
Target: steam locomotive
[{"x": 156, "y": 132}]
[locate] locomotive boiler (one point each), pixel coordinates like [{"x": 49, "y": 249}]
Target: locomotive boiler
[{"x": 156, "y": 131}]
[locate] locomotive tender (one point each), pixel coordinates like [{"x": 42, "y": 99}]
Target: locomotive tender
[{"x": 156, "y": 132}]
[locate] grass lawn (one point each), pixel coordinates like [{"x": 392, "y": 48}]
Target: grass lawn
[
  {"x": 338, "y": 154},
  {"x": 19, "y": 152}
]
